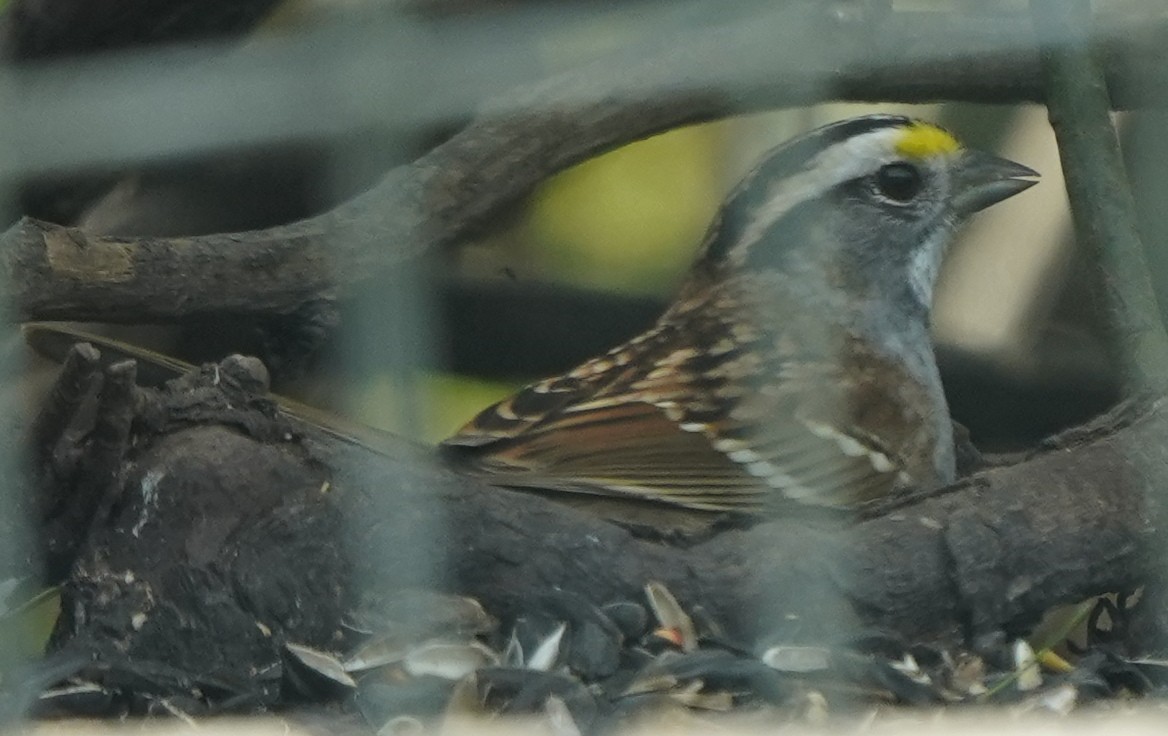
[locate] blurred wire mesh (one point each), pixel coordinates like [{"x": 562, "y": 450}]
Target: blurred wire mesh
[{"x": 248, "y": 127}]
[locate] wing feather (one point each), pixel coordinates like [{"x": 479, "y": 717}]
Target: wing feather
[{"x": 708, "y": 414}]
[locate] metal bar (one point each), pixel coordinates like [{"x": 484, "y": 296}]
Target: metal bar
[{"x": 1102, "y": 207}]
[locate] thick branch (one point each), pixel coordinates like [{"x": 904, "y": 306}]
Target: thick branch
[
  {"x": 447, "y": 195},
  {"x": 994, "y": 552},
  {"x": 234, "y": 529}
]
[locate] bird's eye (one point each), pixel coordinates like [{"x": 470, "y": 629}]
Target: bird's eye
[{"x": 900, "y": 182}]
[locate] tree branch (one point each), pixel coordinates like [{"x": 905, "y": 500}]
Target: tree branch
[
  {"x": 235, "y": 489},
  {"x": 452, "y": 193},
  {"x": 993, "y": 552}
]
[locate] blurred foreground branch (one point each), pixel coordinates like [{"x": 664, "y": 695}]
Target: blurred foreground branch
[
  {"x": 230, "y": 523},
  {"x": 520, "y": 139}
]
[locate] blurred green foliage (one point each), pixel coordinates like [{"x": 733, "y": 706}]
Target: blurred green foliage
[
  {"x": 26, "y": 625},
  {"x": 628, "y": 220}
]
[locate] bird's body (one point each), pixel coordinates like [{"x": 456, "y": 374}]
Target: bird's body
[{"x": 795, "y": 367}]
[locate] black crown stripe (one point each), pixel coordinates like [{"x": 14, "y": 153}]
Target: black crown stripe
[{"x": 785, "y": 160}]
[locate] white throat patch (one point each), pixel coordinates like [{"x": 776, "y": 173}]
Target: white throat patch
[{"x": 925, "y": 265}]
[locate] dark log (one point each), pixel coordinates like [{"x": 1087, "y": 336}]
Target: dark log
[
  {"x": 234, "y": 528},
  {"x": 991, "y": 553}
]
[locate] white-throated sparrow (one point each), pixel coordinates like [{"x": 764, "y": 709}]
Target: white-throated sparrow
[{"x": 795, "y": 366}]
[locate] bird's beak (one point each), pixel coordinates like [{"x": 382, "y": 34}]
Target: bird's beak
[{"x": 980, "y": 180}]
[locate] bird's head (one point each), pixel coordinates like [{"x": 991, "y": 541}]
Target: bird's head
[{"x": 868, "y": 203}]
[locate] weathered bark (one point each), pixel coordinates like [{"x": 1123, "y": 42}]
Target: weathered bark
[
  {"x": 228, "y": 514},
  {"x": 993, "y": 552}
]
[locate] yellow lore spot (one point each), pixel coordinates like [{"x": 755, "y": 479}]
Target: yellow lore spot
[{"x": 925, "y": 140}]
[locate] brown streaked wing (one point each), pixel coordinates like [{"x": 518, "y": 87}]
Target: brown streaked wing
[
  {"x": 547, "y": 401},
  {"x": 750, "y": 450},
  {"x": 627, "y": 449},
  {"x": 519, "y": 413},
  {"x": 705, "y": 412},
  {"x": 793, "y": 437}
]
